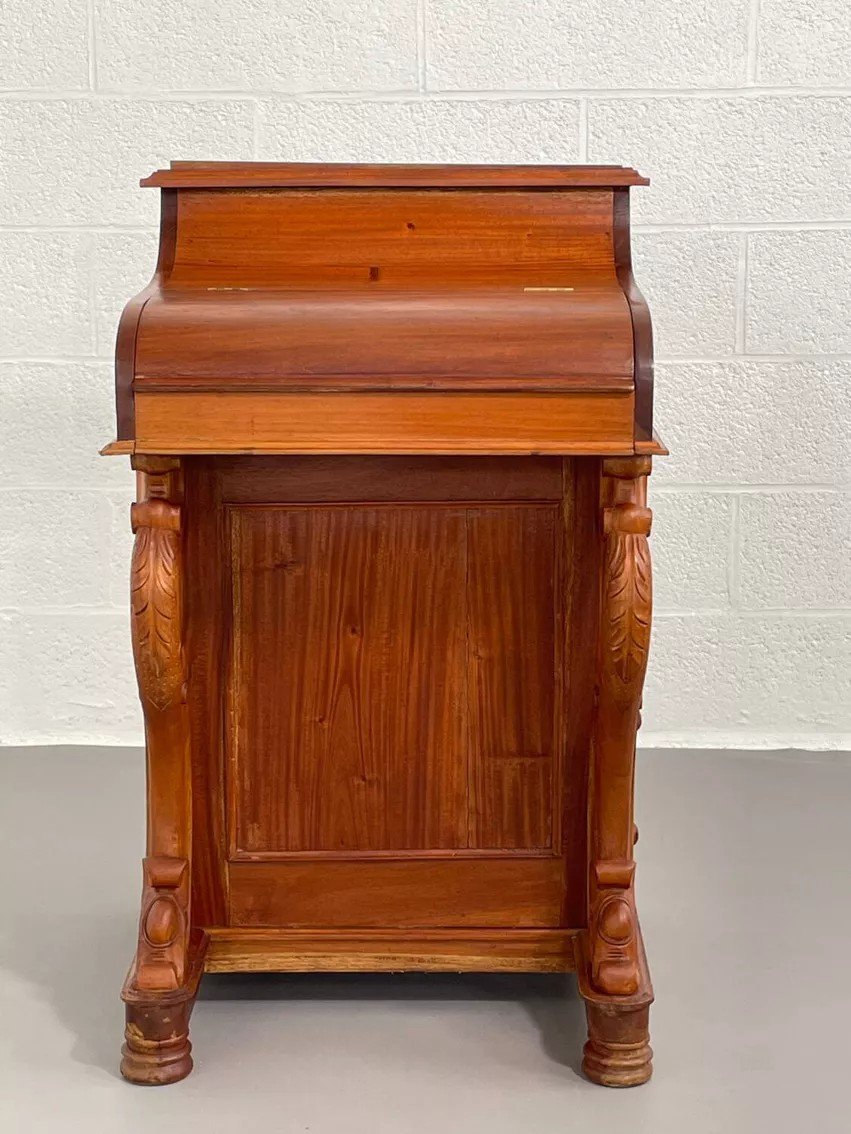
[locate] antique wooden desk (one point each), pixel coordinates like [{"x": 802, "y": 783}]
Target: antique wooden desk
[{"x": 391, "y": 586}]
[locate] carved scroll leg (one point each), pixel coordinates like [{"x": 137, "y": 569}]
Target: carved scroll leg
[
  {"x": 613, "y": 975},
  {"x": 160, "y": 988}
]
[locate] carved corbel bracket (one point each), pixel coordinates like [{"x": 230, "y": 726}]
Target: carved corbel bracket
[
  {"x": 156, "y": 586},
  {"x": 614, "y": 930},
  {"x": 627, "y": 602},
  {"x": 162, "y": 951}
]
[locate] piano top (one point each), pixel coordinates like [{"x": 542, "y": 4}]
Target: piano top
[
  {"x": 345, "y": 175},
  {"x": 314, "y": 279}
]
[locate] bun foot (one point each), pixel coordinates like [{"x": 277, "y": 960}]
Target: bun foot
[
  {"x": 618, "y": 1052},
  {"x": 154, "y": 1062},
  {"x": 156, "y": 1048}
]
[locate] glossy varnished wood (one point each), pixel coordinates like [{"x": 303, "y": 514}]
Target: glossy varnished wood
[
  {"x": 235, "y": 174},
  {"x": 510, "y": 891},
  {"x": 390, "y": 590},
  {"x": 360, "y": 613},
  {"x": 390, "y": 423},
  {"x": 514, "y": 588},
  {"x": 464, "y": 278},
  {"x": 398, "y": 951},
  {"x": 414, "y": 651}
]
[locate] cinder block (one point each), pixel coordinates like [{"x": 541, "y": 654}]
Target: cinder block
[
  {"x": 804, "y": 42},
  {"x": 689, "y": 281},
  {"x": 729, "y": 159},
  {"x": 78, "y": 161},
  {"x": 481, "y": 130},
  {"x": 690, "y": 545},
  {"x": 54, "y": 547},
  {"x": 44, "y": 45},
  {"x": 67, "y": 677},
  {"x": 54, "y": 417},
  {"x": 44, "y": 285},
  {"x": 326, "y": 45},
  {"x": 795, "y": 550},
  {"x": 797, "y": 294},
  {"x": 500, "y": 44},
  {"x": 754, "y": 422},
  {"x": 767, "y": 681}
]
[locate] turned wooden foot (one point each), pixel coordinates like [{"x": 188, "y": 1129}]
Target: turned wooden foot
[
  {"x": 618, "y": 1052},
  {"x": 156, "y": 1046}
]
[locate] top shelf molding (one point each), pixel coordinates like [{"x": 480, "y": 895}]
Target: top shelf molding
[{"x": 343, "y": 175}]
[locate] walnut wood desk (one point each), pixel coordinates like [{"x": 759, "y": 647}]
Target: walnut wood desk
[{"x": 391, "y": 586}]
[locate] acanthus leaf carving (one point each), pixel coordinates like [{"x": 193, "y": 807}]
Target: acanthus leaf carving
[
  {"x": 629, "y": 595},
  {"x": 155, "y": 603}
]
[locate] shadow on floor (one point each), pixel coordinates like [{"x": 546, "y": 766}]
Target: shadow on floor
[{"x": 551, "y": 999}]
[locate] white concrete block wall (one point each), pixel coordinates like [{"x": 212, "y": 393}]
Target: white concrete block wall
[{"x": 739, "y": 111}]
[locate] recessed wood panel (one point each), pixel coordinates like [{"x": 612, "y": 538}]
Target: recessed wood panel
[
  {"x": 393, "y": 676},
  {"x": 295, "y": 236},
  {"x": 511, "y": 616},
  {"x": 349, "y": 678},
  {"x": 512, "y": 892}
]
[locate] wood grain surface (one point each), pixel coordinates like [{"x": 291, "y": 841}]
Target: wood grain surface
[
  {"x": 230, "y": 174},
  {"x": 393, "y": 677},
  {"x": 391, "y": 593},
  {"x": 388, "y": 423},
  {"x": 507, "y": 891},
  {"x": 381, "y": 950},
  {"x": 313, "y": 279}
]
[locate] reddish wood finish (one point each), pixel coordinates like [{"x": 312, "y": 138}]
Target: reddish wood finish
[
  {"x": 449, "y": 611},
  {"x": 329, "y": 175},
  {"x": 161, "y": 984},
  {"x": 391, "y": 688},
  {"x": 318, "y": 279},
  {"x": 400, "y": 950},
  {"x": 505, "y": 890},
  {"x": 390, "y": 423}
]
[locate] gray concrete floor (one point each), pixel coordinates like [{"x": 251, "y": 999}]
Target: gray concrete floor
[{"x": 745, "y": 899}]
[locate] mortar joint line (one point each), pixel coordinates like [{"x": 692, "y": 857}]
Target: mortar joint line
[
  {"x": 740, "y": 313},
  {"x": 92, "y": 45},
  {"x": 733, "y": 554},
  {"x": 422, "y": 74},
  {"x": 752, "y": 42},
  {"x": 583, "y": 129}
]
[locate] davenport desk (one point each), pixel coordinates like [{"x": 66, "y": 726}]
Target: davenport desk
[{"x": 390, "y": 587}]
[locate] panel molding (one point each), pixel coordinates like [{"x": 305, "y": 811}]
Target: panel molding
[{"x": 522, "y": 553}]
